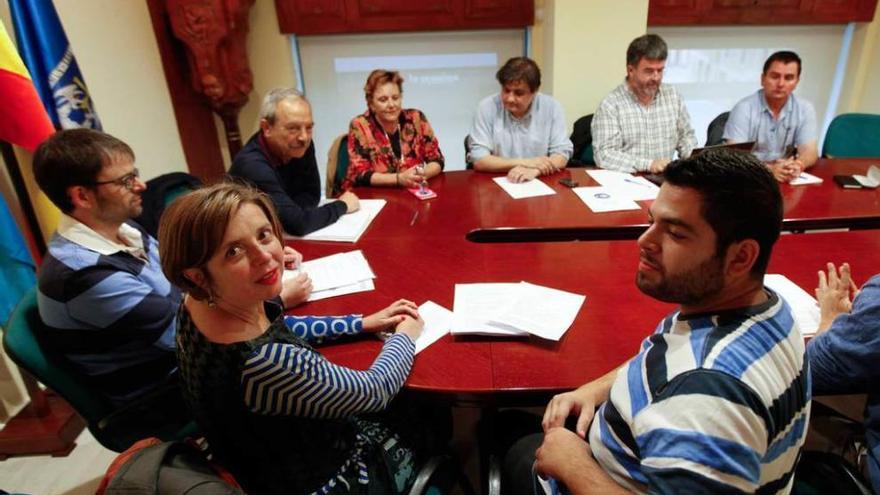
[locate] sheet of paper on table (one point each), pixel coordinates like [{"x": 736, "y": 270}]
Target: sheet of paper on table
[
  {"x": 804, "y": 307},
  {"x": 542, "y": 311},
  {"x": 337, "y": 274},
  {"x": 805, "y": 179},
  {"x": 871, "y": 179},
  {"x": 602, "y": 199},
  {"x": 350, "y": 226},
  {"x": 438, "y": 321},
  {"x": 528, "y": 189},
  {"x": 475, "y": 305},
  {"x": 634, "y": 187},
  {"x": 505, "y": 309}
]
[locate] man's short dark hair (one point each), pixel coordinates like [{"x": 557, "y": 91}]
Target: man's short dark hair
[
  {"x": 648, "y": 46},
  {"x": 741, "y": 199},
  {"x": 520, "y": 69},
  {"x": 74, "y": 157},
  {"x": 784, "y": 56}
]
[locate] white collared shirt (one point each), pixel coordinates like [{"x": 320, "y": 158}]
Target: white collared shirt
[{"x": 75, "y": 231}]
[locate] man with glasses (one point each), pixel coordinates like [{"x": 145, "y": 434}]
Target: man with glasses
[{"x": 101, "y": 292}]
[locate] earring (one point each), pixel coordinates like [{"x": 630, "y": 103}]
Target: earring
[{"x": 211, "y": 302}]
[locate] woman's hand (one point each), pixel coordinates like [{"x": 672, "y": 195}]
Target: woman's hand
[
  {"x": 391, "y": 316},
  {"x": 412, "y": 327},
  {"x": 291, "y": 258},
  {"x": 296, "y": 291},
  {"x": 410, "y": 178}
]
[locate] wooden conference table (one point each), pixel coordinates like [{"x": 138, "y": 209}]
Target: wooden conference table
[
  {"x": 419, "y": 250},
  {"x": 564, "y": 216}
]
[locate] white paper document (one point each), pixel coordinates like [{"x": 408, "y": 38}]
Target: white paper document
[
  {"x": 336, "y": 275},
  {"x": 636, "y": 188},
  {"x": 438, "y": 321},
  {"x": 528, "y": 189},
  {"x": 365, "y": 286},
  {"x": 350, "y": 226},
  {"x": 475, "y": 305},
  {"x": 542, "y": 311},
  {"x": 871, "y": 179},
  {"x": 603, "y": 199},
  {"x": 805, "y": 179},
  {"x": 804, "y": 307},
  {"x": 506, "y": 309}
]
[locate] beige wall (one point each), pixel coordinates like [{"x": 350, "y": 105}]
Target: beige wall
[
  {"x": 271, "y": 64},
  {"x": 116, "y": 50},
  {"x": 581, "y": 46},
  {"x": 860, "y": 93}
]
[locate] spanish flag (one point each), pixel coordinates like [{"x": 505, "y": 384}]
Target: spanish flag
[
  {"x": 23, "y": 120},
  {"x": 25, "y": 123}
]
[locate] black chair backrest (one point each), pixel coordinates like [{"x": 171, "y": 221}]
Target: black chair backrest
[
  {"x": 468, "y": 164},
  {"x": 160, "y": 192},
  {"x": 715, "y": 132},
  {"x": 582, "y": 139}
]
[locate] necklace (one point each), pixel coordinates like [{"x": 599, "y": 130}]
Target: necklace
[{"x": 397, "y": 159}]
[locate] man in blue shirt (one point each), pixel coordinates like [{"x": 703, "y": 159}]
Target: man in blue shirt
[
  {"x": 782, "y": 125},
  {"x": 843, "y": 355},
  {"x": 519, "y": 131}
]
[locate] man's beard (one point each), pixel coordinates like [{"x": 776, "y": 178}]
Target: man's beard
[{"x": 691, "y": 287}]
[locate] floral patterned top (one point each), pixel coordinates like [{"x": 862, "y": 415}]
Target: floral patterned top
[{"x": 371, "y": 149}]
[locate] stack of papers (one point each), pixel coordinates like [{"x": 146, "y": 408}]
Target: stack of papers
[
  {"x": 350, "y": 226},
  {"x": 528, "y": 189},
  {"x": 805, "y": 179},
  {"x": 336, "y": 275},
  {"x": 636, "y": 188},
  {"x": 603, "y": 199},
  {"x": 804, "y": 307},
  {"x": 510, "y": 309}
]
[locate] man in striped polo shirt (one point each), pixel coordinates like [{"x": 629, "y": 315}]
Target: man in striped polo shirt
[
  {"x": 717, "y": 399},
  {"x": 101, "y": 293}
]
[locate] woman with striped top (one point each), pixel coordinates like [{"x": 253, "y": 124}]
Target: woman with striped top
[{"x": 278, "y": 415}]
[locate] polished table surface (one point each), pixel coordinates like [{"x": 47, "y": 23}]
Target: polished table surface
[
  {"x": 487, "y": 214},
  {"x": 419, "y": 250}
]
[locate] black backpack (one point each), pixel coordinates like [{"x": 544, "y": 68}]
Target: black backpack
[{"x": 152, "y": 467}]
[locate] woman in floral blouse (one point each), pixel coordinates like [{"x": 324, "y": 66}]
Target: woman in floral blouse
[{"x": 388, "y": 145}]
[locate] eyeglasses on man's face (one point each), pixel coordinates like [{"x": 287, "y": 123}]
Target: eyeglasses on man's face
[{"x": 127, "y": 181}]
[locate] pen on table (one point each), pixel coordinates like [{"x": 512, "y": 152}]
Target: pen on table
[
  {"x": 415, "y": 216},
  {"x": 632, "y": 181}
]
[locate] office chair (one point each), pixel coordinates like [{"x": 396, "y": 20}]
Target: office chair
[
  {"x": 823, "y": 472},
  {"x": 160, "y": 192},
  {"x": 468, "y": 164},
  {"x": 116, "y": 428},
  {"x": 715, "y": 131},
  {"x": 440, "y": 474},
  {"x": 853, "y": 135},
  {"x": 337, "y": 165},
  {"x": 582, "y": 139}
]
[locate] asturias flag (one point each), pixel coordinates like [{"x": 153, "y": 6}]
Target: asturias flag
[{"x": 47, "y": 54}]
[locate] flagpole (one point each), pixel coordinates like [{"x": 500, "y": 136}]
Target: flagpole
[{"x": 24, "y": 198}]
